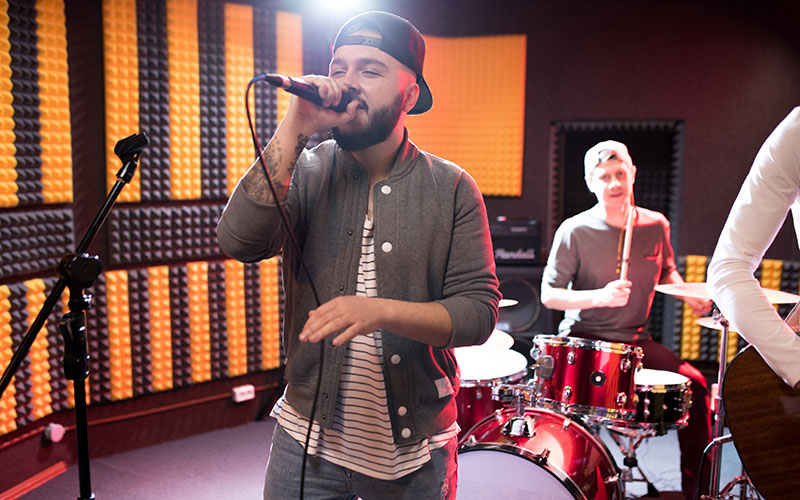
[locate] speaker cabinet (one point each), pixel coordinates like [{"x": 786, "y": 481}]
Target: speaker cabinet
[{"x": 528, "y": 317}]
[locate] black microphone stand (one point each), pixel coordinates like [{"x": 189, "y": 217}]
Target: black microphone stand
[{"x": 78, "y": 270}]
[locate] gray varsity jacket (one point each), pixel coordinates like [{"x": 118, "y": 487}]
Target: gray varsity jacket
[{"x": 432, "y": 243}]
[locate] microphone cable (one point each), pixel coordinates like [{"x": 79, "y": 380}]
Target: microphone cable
[{"x": 296, "y": 246}]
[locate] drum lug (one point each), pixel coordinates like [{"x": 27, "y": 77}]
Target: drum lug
[
  {"x": 625, "y": 365},
  {"x": 542, "y": 457},
  {"x": 470, "y": 441},
  {"x": 566, "y": 394},
  {"x": 622, "y": 398},
  {"x": 571, "y": 358}
]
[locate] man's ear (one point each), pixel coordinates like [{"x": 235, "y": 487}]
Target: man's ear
[{"x": 410, "y": 96}]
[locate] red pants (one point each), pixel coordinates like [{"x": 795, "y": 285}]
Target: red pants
[{"x": 694, "y": 437}]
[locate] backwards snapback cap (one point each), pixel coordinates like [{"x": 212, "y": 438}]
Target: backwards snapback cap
[
  {"x": 604, "y": 151},
  {"x": 399, "y": 38}
]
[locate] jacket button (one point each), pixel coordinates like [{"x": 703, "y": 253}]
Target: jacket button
[
  {"x": 386, "y": 189},
  {"x": 325, "y": 395},
  {"x": 349, "y": 233},
  {"x": 406, "y": 432},
  {"x": 395, "y": 359},
  {"x": 386, "y": 247},
  {"x": 341, "y": 288},
  {"x": 402, "y": 411}
]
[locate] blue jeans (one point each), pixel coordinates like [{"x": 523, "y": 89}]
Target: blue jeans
[{"x": 436, "y": 479}]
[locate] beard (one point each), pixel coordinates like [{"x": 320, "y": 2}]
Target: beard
[{"x": 378, "y": 128}]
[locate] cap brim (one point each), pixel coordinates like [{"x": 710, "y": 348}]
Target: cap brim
[{"x": 425, "y": 100}]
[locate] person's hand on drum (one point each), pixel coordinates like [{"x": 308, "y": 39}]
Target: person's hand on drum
[{"x": 615, "y": 294}]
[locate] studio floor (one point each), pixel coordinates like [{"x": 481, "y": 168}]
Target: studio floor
[{"x": 229, "y": 464}]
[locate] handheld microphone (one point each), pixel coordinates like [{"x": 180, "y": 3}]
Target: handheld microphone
[{"x": 302, "y": 89}]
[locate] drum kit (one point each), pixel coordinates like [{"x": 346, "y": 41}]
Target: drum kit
[{"x": 539, "y": 437}]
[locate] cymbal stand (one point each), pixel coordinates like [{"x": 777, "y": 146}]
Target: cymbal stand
[
  {"x": 718, "y": 439},
  {"x": 748, "y": 491},
  {"x": 716, "y": 404}
]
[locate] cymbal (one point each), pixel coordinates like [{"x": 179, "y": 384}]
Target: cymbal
[
  {"x": 698, "y": 291},
  {"x": 508, "y": 302},
  {"x": 708, "y": 322},
  {"x": 498, "y": 341}
]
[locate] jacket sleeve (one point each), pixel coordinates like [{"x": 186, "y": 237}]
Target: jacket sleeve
[
  {"x": 471, "y": 289},
  {"x": 757, "y": 215},
  {"x": 250, "y": 231}
]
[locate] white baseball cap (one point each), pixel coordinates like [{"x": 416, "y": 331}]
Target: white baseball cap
[{"x": 604, "y": 151}]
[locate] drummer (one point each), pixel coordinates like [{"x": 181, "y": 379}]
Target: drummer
[{"x": 582, "y": 278}]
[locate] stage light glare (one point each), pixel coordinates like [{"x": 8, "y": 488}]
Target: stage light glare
[{"x": 341, "y": 6}]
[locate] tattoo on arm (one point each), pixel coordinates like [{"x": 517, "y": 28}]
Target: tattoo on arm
[
  {"x": 302, "y": 140},
  {"x": 255, "y": 183}
]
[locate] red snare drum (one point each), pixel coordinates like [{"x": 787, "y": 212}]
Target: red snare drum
[
  {"x": 664, "y": 401},
  {"x": 553, "y": 458},
  {"x": 588, "y": 377},
  {"x": 482, "y": 369}
]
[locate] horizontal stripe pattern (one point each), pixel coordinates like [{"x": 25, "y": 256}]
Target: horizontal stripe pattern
[{"x": 361, "y": 437}]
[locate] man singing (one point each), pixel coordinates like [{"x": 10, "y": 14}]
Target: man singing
[{"x": 397, "y": 244}]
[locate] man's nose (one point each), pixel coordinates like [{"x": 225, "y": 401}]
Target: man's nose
[{"x": 350, "y": 81}]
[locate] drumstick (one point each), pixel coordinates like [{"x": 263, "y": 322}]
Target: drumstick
[{"x": 626, "y": 249}]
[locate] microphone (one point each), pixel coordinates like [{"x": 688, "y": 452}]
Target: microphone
[{"x": 302, "y": 89}]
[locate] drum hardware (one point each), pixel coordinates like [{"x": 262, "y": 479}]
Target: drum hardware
[
  {"x": 631, "y": 463},
  {"x": 543, "y": 366},
  {"x": 542, "y": 457},
  {"x": 485, "y": 369},
  {"x": 749, "y": 491},
  {"x": 518, "y": 426}
]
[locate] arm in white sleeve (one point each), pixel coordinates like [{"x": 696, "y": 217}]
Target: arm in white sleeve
[{"x": 768, "y": 193}]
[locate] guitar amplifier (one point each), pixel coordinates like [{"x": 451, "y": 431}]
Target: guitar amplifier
[{"x": 516, "y": 241}]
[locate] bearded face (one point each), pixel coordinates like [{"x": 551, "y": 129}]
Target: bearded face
[{"x": 380, "y": 124}]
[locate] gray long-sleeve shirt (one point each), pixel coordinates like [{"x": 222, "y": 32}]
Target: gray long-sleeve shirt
[{"x": 432, "y": 244}]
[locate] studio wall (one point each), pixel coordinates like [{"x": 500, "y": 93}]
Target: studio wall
[{"x": 173, "y": 318}]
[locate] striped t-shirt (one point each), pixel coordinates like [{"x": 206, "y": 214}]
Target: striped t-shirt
[{"x": 361, "y": 438}]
